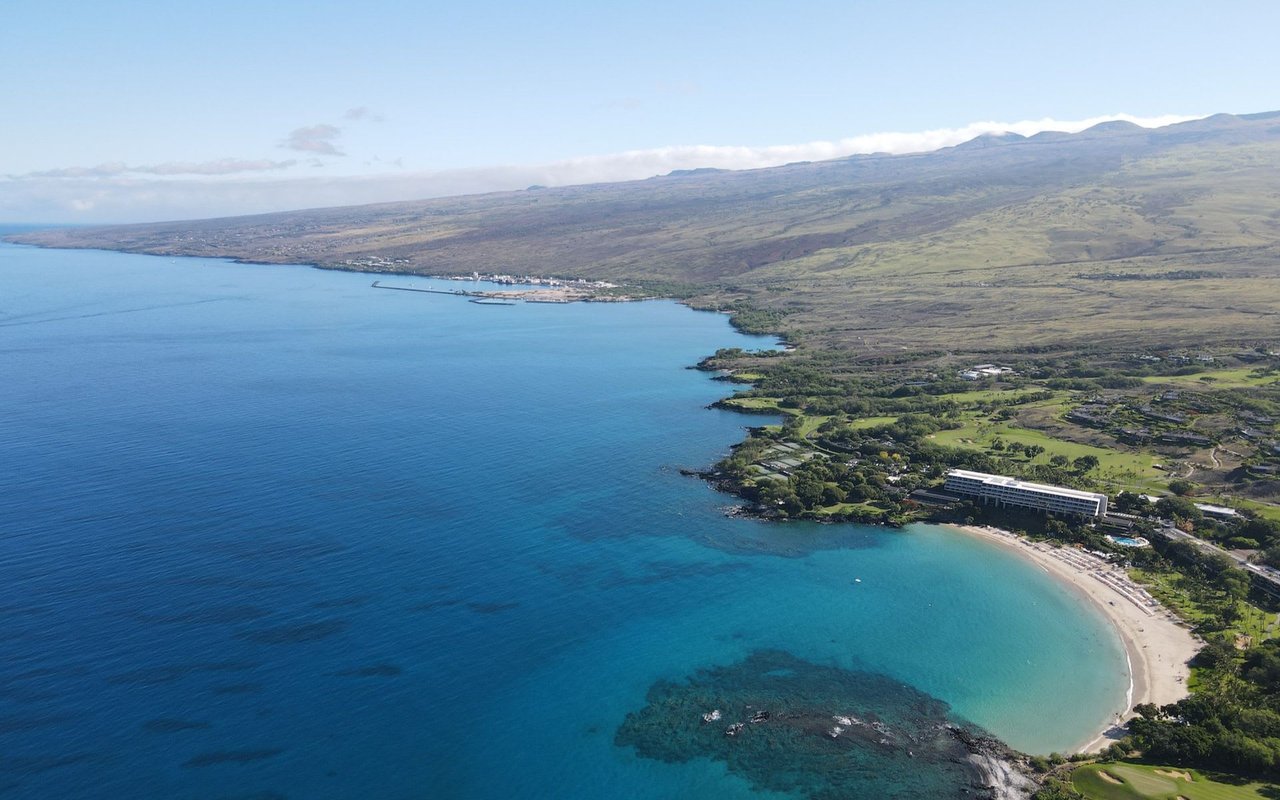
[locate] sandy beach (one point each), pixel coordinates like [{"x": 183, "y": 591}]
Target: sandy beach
[{"x": 1157, "y": 644}]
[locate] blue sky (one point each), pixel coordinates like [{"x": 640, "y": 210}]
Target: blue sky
[{"x": 132, "y": 111}]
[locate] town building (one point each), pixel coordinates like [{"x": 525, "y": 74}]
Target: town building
[
  {"x": 1006, "y": 491},
  {"x": 1184, "y": 438},
  {"x": 981, "y": 371},
  {"x": 1220, "y": 512}
]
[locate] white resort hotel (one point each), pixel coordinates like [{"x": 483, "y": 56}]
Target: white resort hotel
[{"x": 1013, "y": 492}]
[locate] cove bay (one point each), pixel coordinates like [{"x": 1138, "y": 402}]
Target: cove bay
[{"x": 269, "y": 532}]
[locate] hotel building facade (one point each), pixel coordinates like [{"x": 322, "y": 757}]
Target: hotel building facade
[{"x": 1005, "y": 491}]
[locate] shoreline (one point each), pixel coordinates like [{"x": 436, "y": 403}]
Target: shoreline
[
  {"x": 1157, "y": 646},
  {"x": 563, "y": 292}
]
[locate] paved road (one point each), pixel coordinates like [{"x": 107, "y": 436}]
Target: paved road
[{"x": 1268, "y": 574}]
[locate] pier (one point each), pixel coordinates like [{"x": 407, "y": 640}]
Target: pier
[
  {"x": 552, "y": 294},
  {"x": 453, "y": 292}
]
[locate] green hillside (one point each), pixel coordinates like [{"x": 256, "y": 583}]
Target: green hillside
[{"x": 1103, "y": 237}]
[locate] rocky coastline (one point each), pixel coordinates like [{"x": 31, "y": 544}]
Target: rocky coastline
[{"x": 1000, "y": 772}]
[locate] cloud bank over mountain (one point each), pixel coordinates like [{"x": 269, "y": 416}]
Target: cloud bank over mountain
[{"x": 233, "y": 186}]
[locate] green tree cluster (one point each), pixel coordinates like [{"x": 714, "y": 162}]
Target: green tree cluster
[
  {"x": 1231, "y": 723},
  {"x": 1055, "y": 788}
]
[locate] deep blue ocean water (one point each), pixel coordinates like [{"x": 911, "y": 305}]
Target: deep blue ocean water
[{"x": 269, "y": 532}]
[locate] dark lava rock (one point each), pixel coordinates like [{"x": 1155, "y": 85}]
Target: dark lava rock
[{"x": 817, "y": 731}]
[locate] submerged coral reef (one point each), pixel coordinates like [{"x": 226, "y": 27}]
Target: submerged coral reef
[{"x": 818, "y": 731}]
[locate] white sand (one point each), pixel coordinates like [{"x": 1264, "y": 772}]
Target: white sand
[{"x": 1157, "y": 643}]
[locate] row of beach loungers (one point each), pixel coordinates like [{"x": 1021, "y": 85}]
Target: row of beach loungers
[{"x": 1107, "y": 574}]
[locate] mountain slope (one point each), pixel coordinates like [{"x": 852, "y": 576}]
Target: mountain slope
[{"x": 1114, "y": 232}]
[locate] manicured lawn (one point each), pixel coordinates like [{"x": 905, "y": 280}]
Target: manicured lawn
[
  {"x": 757, "y": 403},
  {"x": 807, "y": 424},
  {"x": 810, "y": 424},
  {"x": 987, "y": 395},
  {"x": 1114, "y": 466},
  {"x": 1264, "y": 510},
  {"x": 871, "y": 422},
  {"x": 1170, "y": 590},
  {"x": 1124, "y": 781},
  {"x": 1221, "y": 378},
  {"x": 842, "y": 508}
]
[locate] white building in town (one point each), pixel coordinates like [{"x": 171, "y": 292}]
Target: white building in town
[
  {"x": 1007, "y": 491},
  {"x": 981, "y": 371}
]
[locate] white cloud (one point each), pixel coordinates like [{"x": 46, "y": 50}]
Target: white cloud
[
  {"x": 222, "y": 166},
  {"x": 320, "y": 139},
  {"x": 666, "y": 159},
  {"x": 112, "y": 193},
  {"x": 362, "y": 112}
]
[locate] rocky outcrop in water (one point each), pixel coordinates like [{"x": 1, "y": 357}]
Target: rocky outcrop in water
[
  {"x": 821, "y": 732},
  {"x": 1002, "y": 772}
]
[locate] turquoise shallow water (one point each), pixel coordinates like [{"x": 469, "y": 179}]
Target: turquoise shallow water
[{"x": 268, "y": 530}]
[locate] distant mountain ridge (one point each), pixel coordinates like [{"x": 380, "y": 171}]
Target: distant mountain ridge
[{"x": 854, "y": 251}]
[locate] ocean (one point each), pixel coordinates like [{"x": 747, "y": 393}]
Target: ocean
[{"x": 267, "y": 532}]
